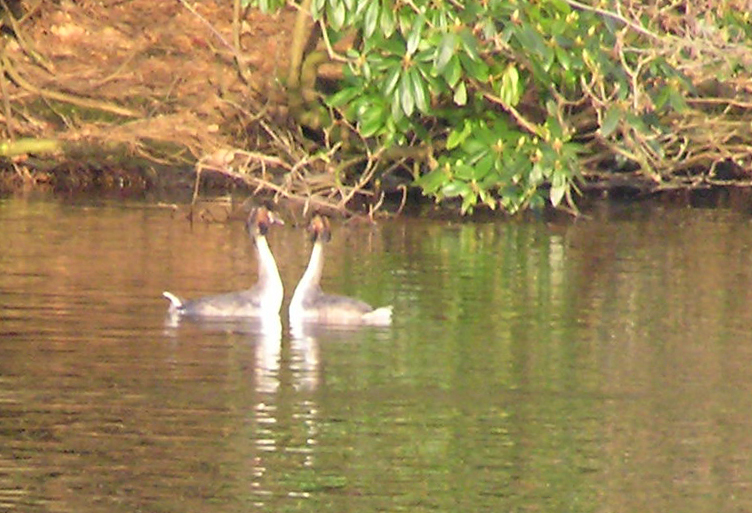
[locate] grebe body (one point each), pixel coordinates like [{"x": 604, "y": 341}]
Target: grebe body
[
  {"x": 264, "y": 299},
  {"x": 310, "y": 304}
]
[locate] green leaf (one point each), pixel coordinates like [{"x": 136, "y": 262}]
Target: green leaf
[
  {"x": 388, "y": 22},
  {"x": 510, "y": 90},
  {"x": 453, "y": 71},
  {"x": 484, "y": 166},
  {"x": 563, "y": 57},
  {"x": 610, "y": 121},
  {"x": 392, "y": 78},
  {"x": 532, "y": 41},
  {"x": 463, "y": 171},
  {"x": 415, "y": 31},
  {"x": 477, "y": 69},
  {"x": 371, "y": 120},
  {"x": 343, "y": 96},
  {"x": 469, "y": 44},
  {"x": 336, "y": 14},
  {"x": 455, "y": 188},
  {"x": 460, "y": 94},
  {"x": 420, "y": 91},
  {"x": 661, "y": 98},
  {"x": 677, "y": 101},
  {"x": 317, "y": 8},
  {"x": 445, "y": 51},
  {"x": 458, "y": 137},
  {"x": 468, "y": 203},
  {"x": 433, "y": 181},
  {"x": 559, "y": 187},
  {"x": 406, "y": 95},
  {"x": 371, "y": 18},
  {"x": 396, "y": 103},
  {"x": 360, "y": 8},
  {"x": 476, "y": 144}
]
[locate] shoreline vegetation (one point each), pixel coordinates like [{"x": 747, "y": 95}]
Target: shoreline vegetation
[{"x": 350, "y": 107}]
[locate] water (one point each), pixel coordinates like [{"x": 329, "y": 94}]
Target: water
[{"x": 602, "y": 364}]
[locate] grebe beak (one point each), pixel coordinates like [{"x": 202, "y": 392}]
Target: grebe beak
[{"x": 274, "y": 218}]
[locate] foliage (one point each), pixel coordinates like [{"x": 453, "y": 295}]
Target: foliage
[{"x": 506, "y": 102}]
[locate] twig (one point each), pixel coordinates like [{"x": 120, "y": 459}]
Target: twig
[
  {"x": 6, "y": 103},
  {"x": 615, "y": 16},
  {"x": 524, "y": 123},
  {"x": 333, "y": 55},
  {"x": 28, "y": 47},
  {"x": 217, "y": 34},
  {"x": 402, "y": 187}
]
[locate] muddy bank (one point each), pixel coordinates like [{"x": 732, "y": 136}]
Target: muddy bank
[{"x": 134, "y": 94}]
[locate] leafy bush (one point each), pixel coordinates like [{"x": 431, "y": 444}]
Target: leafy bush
[{"x": 500, "y": 101}]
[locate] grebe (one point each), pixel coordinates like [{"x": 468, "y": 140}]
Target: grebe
[
  {"x": 310, "y": 303},
  {"x": 264, "y": 299}
]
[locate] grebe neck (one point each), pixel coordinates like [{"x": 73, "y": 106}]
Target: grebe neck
[
  {"x": 312, "y": 276},
  {"x": 268, "y": 274}
]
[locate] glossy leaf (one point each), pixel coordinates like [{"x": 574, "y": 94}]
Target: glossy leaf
[
  {"x": 469, "y": 44},
  {"x": 468, "y": 202},
  {"x": 460, "y": 94},
  {"x": 484, "y": 165},
  {"x": 415, "y": 32},
  {"x": 445, "y": 51},
  {"x": 420, "y": 91},
  {"x": 458, "y": 137},
  {"x": 343, "y": 96},
  {"x": 463, "y": 171},
  {"x": 336, "y": 14},
  {"x": 564, "y": 57},
  {"x": 407, "y": 99},
  {"x": 433, "y": 181},
  {"x": 610, "y": 121},
  {"x": 532, "y": 42},
  {"x": 456, "y": 188},
  {"x": 387, "y": 20},
  {"x": 559, "y": 187},
  {"x": 477, "y": 69},
  {"x": 392, "y": 80},
  {"x": 371, "y": 120},
  {"x": 317, "y": 8},
  {"x": 453, "y": 71},
  {"x": 510, "y": 90},
  {"x": 371, "y": 18}
]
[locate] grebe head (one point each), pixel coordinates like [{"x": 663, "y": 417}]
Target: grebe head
[
  {"x": 319, "y": 229},
  {"x": 259, "y": 221}
]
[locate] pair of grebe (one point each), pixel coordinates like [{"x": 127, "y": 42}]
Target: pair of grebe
[{"x": 264, "y": 300}]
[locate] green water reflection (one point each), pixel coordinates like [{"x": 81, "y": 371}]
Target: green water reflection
[{"x": 602, "y": 364}]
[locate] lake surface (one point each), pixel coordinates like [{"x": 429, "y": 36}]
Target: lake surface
[{"x": 601, "y": 364}]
